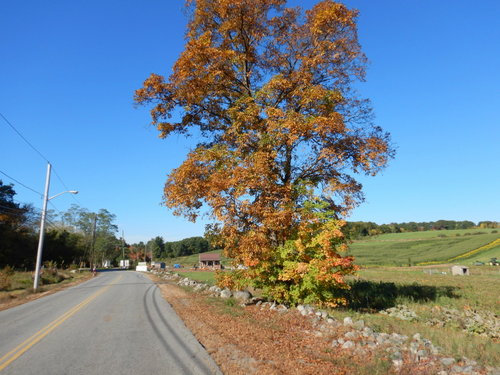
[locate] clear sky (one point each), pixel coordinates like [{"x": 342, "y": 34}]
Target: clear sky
[{"x": 68, "y": 71}]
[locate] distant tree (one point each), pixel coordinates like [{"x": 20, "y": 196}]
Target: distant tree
[
  {"x": 186, "y": 246},
  {"x": 98, "y": 230},
  {"x": 169, "y": 252},
  {"x": 136, "y": 253},
  {"x": 178, "y": 249},
  {"x": 12, "y": 214},
  {"x": 488, "y": 224},
  {"x": 63, "y": 247},
  {"x": 157, "y": 247},
  {"x": 195, "y": 245},
  {"x": 17, "y": 236}
]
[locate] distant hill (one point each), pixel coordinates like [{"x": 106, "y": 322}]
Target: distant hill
[{"x": 401, "y": 249}]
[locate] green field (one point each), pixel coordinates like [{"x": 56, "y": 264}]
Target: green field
[
  {"x": 207, "y": 277},
  {"x": 401, "y": 249},
  {"x": 483, "y": 256}
]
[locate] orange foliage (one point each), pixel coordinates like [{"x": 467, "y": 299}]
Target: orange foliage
[{"x": 270, "y": 88}]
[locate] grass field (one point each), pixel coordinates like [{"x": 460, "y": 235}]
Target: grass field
[
  {"x": 207, "y": 277},
  {"x": 401, "y": 249},
  {"x": 484, "y": 256},
  {"x": 477, "y": 291},
  {"x": 428, "y": 295}
]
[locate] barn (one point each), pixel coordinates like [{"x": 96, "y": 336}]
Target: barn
[{"x": 210, "y": 261}]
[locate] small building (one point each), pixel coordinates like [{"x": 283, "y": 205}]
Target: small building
[
  {"x": 158, "y": 265},
  {"x": 460, "y": 270},
  {"x": 210, "y": 260}
]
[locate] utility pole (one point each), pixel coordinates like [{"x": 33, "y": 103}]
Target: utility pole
[
  {"x": 42, "y": 229},
  {"x": 93, "y": 241},
  {"x": 46, "y": 199},
  {"x": 123, "y": 249}
]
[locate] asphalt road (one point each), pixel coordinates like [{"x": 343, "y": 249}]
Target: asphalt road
[{"x": 116, "y": 323}]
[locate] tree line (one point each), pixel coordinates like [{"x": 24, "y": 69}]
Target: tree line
[
  {"x": 76, "y": 236},
  {"x": 357, "y": 229},
  {"x": 159, "y": 249}
]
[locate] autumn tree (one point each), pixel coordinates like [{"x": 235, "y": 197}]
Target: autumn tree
[{"x": 271, "y": 90}]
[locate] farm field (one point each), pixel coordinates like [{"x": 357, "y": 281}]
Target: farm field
[{"x": 402, "y": 249}]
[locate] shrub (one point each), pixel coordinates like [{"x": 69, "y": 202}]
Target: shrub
[
  {"x": 6, "y": 277},
  {"x": 51, "y": 278}
]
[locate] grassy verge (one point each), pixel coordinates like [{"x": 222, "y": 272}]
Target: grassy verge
[{"x": 18, "y": 287}]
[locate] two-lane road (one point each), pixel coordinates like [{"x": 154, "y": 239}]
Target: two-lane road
[{"x": 116, "y": 323}]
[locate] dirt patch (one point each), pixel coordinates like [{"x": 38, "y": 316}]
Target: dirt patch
[{"x": 248, "y": 340}]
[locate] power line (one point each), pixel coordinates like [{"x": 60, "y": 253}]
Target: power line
[
  {"x": 66, "y": 187},
  {"x": 24, "y": 139},
  {"x": 39, "y": 153},
  {"x": 21, "y": 213},
  {"x": 55, "y": 208},
  {"x": 27, "y": 187},
  {"x": 20, "y": 183}
]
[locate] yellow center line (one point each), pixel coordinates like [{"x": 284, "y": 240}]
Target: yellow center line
[{"x": 28, "y": 343}]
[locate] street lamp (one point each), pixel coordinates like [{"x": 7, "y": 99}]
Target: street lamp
[{"x": 42, "y": 225}]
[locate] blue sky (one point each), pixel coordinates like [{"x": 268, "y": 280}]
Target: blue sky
[{"x": 68, "y": 71}]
